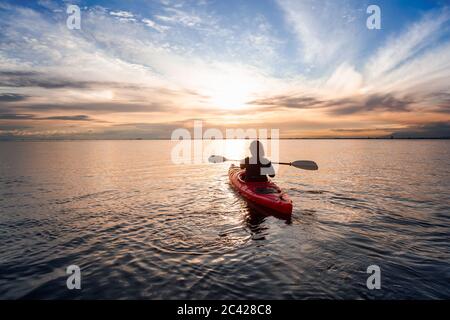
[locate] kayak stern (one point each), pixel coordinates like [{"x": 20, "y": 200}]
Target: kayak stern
[{"x": 266, "y": 194}]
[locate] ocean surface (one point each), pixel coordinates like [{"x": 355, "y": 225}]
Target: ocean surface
[{"x": 140, "y": 226}]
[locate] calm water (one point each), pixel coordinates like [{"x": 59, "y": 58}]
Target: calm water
[{"x": 142, "y": 227}]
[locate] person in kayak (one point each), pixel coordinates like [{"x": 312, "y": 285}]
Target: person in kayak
[{"x": 257, "y": 167}]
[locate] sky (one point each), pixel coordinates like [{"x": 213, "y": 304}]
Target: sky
[{"x": 141, "y": 69}]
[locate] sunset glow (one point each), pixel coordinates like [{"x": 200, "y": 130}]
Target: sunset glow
[{"x": 143, "y": 69}]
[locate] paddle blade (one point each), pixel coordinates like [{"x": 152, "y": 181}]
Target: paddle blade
[
  {"x": 216, "y": 159},
  {"x": 305, "y": 164}
]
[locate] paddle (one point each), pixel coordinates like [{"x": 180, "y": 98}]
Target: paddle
[{"x": 301, "y": 164}]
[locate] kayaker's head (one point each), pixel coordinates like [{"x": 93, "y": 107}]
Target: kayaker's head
[{"x": 255, "y": 148}]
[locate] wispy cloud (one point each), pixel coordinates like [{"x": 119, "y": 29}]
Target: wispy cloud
[
  {"x": 80, "y": 117},
  {"x": 122, "y": 14},
  {"x": 429, "y": 130},
  {"x": 27, "y": 116},
  {"x": 12, "y": 97},
  {"x": 152, "y": 24},
  {"x": 177, "y": 16},
  {"x": 409, "y": 73},
  {"x": 327, "y": 31},
  {"x": 402, "y": 47}
]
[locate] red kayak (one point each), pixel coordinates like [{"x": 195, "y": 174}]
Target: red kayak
[{"x": 265, "y": 194}]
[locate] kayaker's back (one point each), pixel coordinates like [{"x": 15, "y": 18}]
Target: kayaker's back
[{"x": 256, "y": 171}]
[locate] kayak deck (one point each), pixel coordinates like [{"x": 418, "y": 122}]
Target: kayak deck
[{"x": 266, "y": 194}]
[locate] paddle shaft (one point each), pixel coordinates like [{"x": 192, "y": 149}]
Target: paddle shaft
[
  {"x": 285, "y": 163},
  {"x": 300, "y": 164}
]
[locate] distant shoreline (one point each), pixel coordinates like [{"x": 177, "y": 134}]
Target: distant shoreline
[{"x": 164, "y": 139}]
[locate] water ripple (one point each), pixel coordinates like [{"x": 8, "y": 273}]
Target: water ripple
[{"x": 141, "y": 227}]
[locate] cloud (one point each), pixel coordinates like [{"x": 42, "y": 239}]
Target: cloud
[
  {"x": 48, "y": 80},
  {"x": 11, "y": 128},
  {"x": 50, "y": 5},
  {"x": 152, "y": 24},
  {"x": 439, "y": 102},
  {"x": 325, "y": 30},
  {"x": 177, "y": 16},
  {"x": 111, "y": 55},
  {"x": 370, "y": 103},
  {"x": 98, "y": 107},
  {"x": 344, "y": 106},
  {"x": 365, "y": 130},
  {"x": 119, "y": 131},
  {"x": 409, "y": 73},
  {"x": 28, "y": 116},
  {"x": 402, "y": 47},
  {"x": 81, "y": 117},
  {"x": 12, "y": 97},
  {"x": 36, "y": 79},
  {"x": 344, "y": 81},
  {"x": 122, "y": 14},
  {"x": 414, "y": 61},
  {"x": 290, "y": 102},
  {"x": 12, "y": 116},
  {"x": 429, "y": 130}
]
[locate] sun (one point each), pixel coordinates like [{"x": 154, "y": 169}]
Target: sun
[
  {"x": 230, "y": 99},
  {"x": 232, "y": 91}
]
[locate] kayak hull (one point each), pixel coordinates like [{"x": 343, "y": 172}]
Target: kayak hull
[{"x": 265, "y": 194}]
